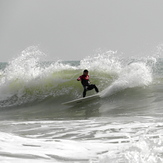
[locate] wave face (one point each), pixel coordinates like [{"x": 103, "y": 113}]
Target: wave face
[{"x": 26, "y": 79}]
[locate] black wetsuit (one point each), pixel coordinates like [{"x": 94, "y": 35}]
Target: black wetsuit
[{"x": 86, "y": 84}]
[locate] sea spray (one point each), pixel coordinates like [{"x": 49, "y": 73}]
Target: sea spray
[
  {"x": 26, "y": 79},
  {"x": 24, "y": 66},
  {"x": 133, "y": 75},
  {"x": 107, "y": 62}
]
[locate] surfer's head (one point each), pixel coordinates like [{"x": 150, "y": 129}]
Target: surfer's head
[{"x": 85, "y": 72}]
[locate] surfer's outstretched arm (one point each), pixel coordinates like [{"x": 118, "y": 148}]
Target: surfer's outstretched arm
[{"x": 79, "y": 79}]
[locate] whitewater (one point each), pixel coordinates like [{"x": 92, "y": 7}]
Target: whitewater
[{"x": 123, "y": 126}]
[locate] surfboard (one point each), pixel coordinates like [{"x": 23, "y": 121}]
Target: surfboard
[{"x": 82, "y": 100}]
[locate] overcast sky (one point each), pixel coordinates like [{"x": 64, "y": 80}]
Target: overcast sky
[{"x": 73, "y": 29}]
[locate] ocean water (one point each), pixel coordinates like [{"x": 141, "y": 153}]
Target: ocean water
[{"x": 124, "y": 126}]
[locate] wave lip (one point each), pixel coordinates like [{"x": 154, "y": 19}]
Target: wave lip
[{"x": 133, "y": 75}]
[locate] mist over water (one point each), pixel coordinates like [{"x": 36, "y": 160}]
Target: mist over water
[{"x": 124, "y": 125}]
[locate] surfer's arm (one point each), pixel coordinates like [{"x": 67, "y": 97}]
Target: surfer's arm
[{"x": 78, "y": 79}]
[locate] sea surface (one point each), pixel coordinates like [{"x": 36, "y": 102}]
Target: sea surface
[{"x": 124, "y": 126}]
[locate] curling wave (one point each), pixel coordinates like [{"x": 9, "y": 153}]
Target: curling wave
[{"x": 26, "y": 79}]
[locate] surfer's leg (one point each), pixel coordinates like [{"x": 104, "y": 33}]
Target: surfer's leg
[
  {"x": 85, "y": 90},
  {"x": 96, "y": 89},
  {"x": 93, "y": 86},
  {"x": 84, "y": 93}
]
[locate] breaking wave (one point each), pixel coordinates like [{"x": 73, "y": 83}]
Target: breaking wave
[{"x": 26, "y": 79}]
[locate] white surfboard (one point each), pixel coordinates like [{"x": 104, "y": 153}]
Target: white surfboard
[{"x": 82, "y": 100}]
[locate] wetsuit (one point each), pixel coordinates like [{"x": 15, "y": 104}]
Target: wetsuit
[{"x": 86, "y": 84}]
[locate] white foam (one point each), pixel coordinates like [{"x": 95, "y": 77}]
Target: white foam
[
  {"x": 103, "y": 62},
  {"x": 99, "y": 141},
  {"x": 133, "y": 75}
]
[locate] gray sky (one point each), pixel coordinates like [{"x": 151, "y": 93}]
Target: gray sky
[{"x": 73, "y": 29}]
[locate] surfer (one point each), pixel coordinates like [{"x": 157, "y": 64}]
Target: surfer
[{"x": 86, "y": 83}]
